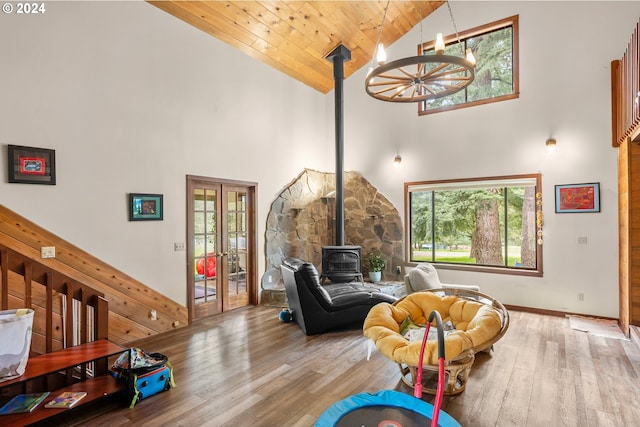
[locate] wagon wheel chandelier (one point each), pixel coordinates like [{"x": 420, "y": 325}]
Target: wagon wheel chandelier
[{"x": 422, "y": 77}]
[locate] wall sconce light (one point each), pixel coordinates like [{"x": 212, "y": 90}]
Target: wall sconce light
[
  {"x": 397, "y": 160},
  {"x": 551, "y": 145}
]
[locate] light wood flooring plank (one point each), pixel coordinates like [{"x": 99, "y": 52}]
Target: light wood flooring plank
[{"x": 245, "y": 367}]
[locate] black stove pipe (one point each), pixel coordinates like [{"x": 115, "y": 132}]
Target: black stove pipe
[{"x": 338, "y": 56}]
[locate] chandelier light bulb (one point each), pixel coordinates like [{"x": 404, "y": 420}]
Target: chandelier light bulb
[
  {"x": 381, "y": 57},
  {"x": 469, "y": 56},
  {"x": 439, "y": 44},
  {"x": 369, "y": 71},
  {"x": 422, "y": 77}
]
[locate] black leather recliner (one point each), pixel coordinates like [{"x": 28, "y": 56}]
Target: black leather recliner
[{"x": 316, "y": 308}]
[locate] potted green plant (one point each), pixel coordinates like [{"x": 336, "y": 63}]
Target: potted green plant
[{"x": 376, "y": 265}]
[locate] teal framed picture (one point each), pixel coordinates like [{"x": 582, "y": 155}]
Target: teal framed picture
[{"x": 145, "y": 207}]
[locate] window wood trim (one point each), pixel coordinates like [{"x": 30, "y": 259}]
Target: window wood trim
[
  {"x": 538, "y": 272},
  {"x": 515, "y": 66}
]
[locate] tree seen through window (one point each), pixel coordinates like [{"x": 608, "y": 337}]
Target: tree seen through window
[{"x": 487, "y": 222}]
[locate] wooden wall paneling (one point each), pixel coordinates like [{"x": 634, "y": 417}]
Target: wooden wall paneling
[
  {"x": 93, "y": 271},
  {"x": 122, "y": 329},
  {"x": 616, "y": 121},
  {"x": 128, "y": 298},
  {"x": 625, "y": 109},
  {"x": 634, "y": 233},
  {"x": 633, "y": 71},
  {"x": 635, "y": 305},
  {"x": 623, "y": 235},
  {"x": 4, "y": 271}
]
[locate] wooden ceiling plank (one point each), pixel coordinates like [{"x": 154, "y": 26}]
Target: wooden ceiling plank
[
  {"x": 320, "y": 72},
  {"x": 273, "y": 46},
  {"x": 241, "y": 13},
  {"x": 312, "y": 66},
  {"x": 295, "y": 36},
  {"x": 327, "y": 37},
  {"x": 249, "y": 46},
  {"x": 195, "y": 13},
  {"x": 339, "y": 20},
  {"x": 309, "y": 26},
  {"x": 292, "y": 57},
  {"x": 292, "y": 30}
]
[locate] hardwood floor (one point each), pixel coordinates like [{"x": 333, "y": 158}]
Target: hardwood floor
[{"x": 245, "y": 368}]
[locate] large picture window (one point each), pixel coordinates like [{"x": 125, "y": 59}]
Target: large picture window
[
  {"x": 489, "y": 223},
  {"x": 495, "y": 47}
]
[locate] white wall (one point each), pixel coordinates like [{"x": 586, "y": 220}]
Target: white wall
[
  {"x": 564, "y": 92},
  {"x": 133, "y": 99}
]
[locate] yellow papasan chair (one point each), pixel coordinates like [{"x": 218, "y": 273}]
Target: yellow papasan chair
[{"x": 479, "y": 321}]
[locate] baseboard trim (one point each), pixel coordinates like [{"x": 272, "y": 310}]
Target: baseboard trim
[{"x": 555, "y": 313}]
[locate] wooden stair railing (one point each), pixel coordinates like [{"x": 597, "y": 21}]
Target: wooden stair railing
[
  {"x": 58, "y": 364},
  {"x": 625, "y": 93},
  {"x": 27, "y": 283}
]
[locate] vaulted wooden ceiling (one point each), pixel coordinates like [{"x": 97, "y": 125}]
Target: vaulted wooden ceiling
[{"x": 295, "y": 36}]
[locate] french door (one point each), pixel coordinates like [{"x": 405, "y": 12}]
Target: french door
[{"x": 221, "y": 256}]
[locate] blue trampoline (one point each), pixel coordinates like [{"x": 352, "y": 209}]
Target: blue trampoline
[{"x": 390, "y": 408}]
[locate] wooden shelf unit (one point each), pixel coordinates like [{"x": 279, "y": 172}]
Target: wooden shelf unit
[{"x": 40, "y": 367}]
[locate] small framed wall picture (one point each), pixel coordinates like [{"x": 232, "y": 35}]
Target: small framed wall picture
[
  {"x": 31, "y": 165},
  {"x": 572, "y": 198},
  {"x": 145, "y": 207}
]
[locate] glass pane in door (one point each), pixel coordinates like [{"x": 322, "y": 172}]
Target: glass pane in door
[
  {"x": 205, "y": 250},
  {"x": 237, "y": 242}
]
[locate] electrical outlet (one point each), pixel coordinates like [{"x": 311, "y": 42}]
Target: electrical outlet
[
  {"x": 48, "y": 252},
  {"x": 580, "y": 296},
  {"x": 175, "y": 324},
  {"x": 178, "y": 246},
  {"x": 153, "y": 315},
  {"x": 582, "y": 240},
  {"x": 398, "y": 269}
]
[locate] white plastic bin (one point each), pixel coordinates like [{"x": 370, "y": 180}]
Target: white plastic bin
[{"x": 15, "y": 342}]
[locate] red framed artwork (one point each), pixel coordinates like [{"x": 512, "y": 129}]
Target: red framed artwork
[
  {"x": 31, "y": 165},
  {"x": 572, "y": 198}
]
